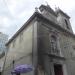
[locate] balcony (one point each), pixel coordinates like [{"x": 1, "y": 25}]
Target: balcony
[{"x": 55, "y": 54}]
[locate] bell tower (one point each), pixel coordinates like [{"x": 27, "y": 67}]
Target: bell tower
[
  {"x": 63, "y": 20},
  {"x": 48, "y": 12}
]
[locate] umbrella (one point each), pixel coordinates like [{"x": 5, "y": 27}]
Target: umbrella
[{"x": 22, "y": 69}]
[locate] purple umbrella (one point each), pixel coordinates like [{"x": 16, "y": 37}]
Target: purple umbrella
[{"x": 22, "y": 69}]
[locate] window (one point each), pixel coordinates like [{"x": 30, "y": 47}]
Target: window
[{"x": 66, "y": 24}]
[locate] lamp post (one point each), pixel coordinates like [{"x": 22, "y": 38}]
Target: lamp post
[{"x": 13, "y": 64}]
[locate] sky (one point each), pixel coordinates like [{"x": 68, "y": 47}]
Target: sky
[{"x": 14, "y": 13}]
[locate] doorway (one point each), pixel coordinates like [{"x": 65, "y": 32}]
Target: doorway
[{"x": 58, "y": 69}]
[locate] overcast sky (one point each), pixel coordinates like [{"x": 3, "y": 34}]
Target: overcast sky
[{"x": 14, "y": 13}]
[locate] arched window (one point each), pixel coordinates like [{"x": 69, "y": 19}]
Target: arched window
[
  {"x": 53, "y": 44},
  {"x": 66, "y": 24}
]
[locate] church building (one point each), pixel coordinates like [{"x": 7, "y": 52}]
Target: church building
[{"x": 46, "y": 41}]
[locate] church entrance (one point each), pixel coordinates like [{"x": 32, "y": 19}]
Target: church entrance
[{"x": 58, "y": 69}]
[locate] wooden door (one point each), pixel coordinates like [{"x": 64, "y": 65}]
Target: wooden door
[{"x": 58, "y": 69}]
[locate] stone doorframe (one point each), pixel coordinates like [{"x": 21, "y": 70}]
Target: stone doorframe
[{"x": 64, "y": 69}]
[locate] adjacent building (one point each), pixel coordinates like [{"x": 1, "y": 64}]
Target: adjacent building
[
  {"x": 3, "y": 40},
  {"x": 3, "y": 49},
  {"x": 46, "y": 41}
]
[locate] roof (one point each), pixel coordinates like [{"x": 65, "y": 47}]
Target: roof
[
  {"x": 40, "y": 16},
  {"x": 21, "y": 29}
]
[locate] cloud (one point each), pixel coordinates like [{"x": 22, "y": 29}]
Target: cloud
[
  {"x": 14, "y": 13},
  {"x": 68, "y": 6},
  {"x": 17, "y": 7}
]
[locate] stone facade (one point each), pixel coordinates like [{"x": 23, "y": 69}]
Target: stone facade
[
  {"x": 45, "y": 41},
  {"x": 19, "y": 50}
]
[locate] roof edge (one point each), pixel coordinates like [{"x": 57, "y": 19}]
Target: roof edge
[
  {"x": 36, "y": 14},
  {"x": 21, "y": 29}
]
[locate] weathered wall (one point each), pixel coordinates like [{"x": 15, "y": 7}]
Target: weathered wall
[
  {"x": 20, "y": 50},
  {"x": 66, "y": 44}
]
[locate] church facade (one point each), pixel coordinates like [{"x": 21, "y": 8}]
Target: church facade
[{"x": 46, "y": 41}]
